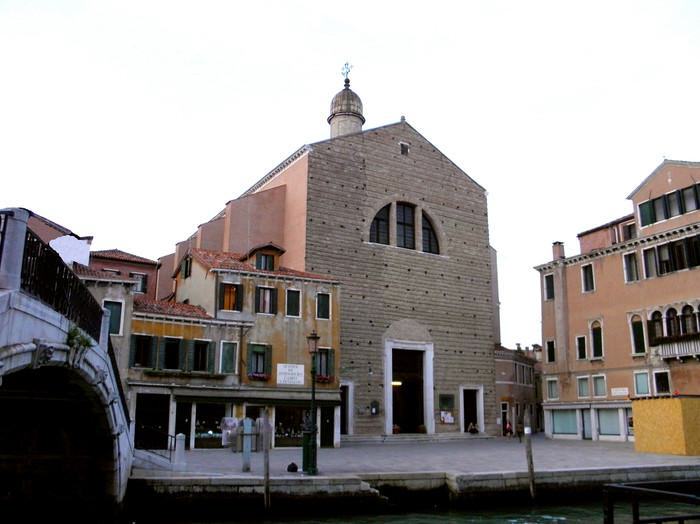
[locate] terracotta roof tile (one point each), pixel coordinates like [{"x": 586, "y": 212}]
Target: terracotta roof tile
[
  {"x": 89, "y": 273},
  {"x": 118, "y": 254},
  {"x": 232, "y": 261},
  {"x": 162, "y": 307}
]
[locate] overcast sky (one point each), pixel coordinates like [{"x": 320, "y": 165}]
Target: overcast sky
[{"x": 136, "y": 121}]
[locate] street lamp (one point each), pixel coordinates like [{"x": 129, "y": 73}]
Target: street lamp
[{"x": 309, "y": 448}]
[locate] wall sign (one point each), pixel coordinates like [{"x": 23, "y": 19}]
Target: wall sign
[{"x": 290, "y": 374}]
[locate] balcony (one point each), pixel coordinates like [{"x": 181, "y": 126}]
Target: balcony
[{"x": 679, "y": 346}]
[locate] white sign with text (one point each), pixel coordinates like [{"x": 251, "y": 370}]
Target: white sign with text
[{"x": 290, "y": 374}]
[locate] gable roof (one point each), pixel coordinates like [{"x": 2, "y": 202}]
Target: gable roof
[
  {"x": 607, "y": 225},
  {"x": 123, "y": 256},
  {"x": 266, "y": 245},
  {"x": 88, "y": 273},
  {"x": 143, "y": 304},
  {"x": 666, "y": 162},
  {"x": 222, "y": 260}
]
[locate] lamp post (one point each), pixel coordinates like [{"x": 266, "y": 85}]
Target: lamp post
[{"x": 309, "y": 449}]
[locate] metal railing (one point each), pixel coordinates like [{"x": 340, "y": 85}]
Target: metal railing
[
  {"x": 155, "y": 440},
  {"x": 115, "y": 369},
  {"x": 47, "y": 278},
  {"x": 678, "y": 491}
]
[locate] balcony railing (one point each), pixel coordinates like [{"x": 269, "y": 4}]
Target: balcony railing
[
  {"x": 679, "y": 346},
  {"x": 47, "y": 278}
]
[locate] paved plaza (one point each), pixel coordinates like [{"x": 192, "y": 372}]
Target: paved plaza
[{"x": 477, "y": 455}]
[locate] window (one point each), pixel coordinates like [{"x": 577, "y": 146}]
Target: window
[
  {"x": 673, "y": 325},
  {"x": 405, "y": 224},
  {"x": 186, "y": 267},
  {"x": 663, "y": 254},
  {"x": 549, "y": 287},
  {"x": 266, "y": 262},
  {"x": 690, "y": 200},
  {"x": 379, "y": 231},
  {"x": 142, "y": 351},
  {"x": 293, "y": 303},
  {"x": 115, "y": 315},
  {"x": 599, "y": 389},
  {"x": 692, "y": 246},
  {"x": 581, "y": 348},
  {"x": 172, "y": 354},
  {"x": 641, "y": 383},
  {"x": 629, "y": 231},
  {"x": 638, "y": 342},
  {"x": 650, "y": 262},
  {"x": 597, "y": 338},
  {"x": 266, "y": 300},
  {"x": 404, "y": 148},
  {"x": 430, "y": 243},
  {"x": 678, "y": 257},
  {"x": 325, "y": 364},
  {"x": 202, "y": 356},
  {"x": 673, "y": 203},
  {"x": 583, "y": 387},
  {"x": 230, "y": 297},
  {"x": 631, "y": 271},
  {"x": 670, "y": 205},
  {"x": 587, "y": 278},
  {"x": 564, "y": 422},
  {"x": 227, "y": 361},
  {"x": 659, "y": 208},
  {"x": 608, "y": 421},
  {"x": 551, "y": 351},
  {"x": 656, "y": 327},
  {"x": 323, "y": 305},
  {"x": 259, "y": 361},
  {"x": 662, "y": 382},
  {"x": 141, "y": 282},
  {"x": 688, "y": 320},
  {"x": 552, "y": 389},
  {"x": 646, "y": 213}
]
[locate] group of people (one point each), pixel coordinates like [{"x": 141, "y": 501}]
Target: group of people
[{"x": 508, "y": 432}]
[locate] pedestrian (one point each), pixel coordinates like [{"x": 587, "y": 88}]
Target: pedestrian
[
  {"x": 509, "y": 429},
  {"x": 519, "y": 429}
]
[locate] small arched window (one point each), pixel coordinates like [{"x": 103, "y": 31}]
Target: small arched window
[
  {"x": 688, "y": 320},
  {"x": 597, "y": 338},
  {"x": 656, "y": 327},
  {"x": 430, "y": 243},
  {"x": 673, "y": 327},
  {"x": 379, "y": 231},
  {"x": 638, "y": 345}
]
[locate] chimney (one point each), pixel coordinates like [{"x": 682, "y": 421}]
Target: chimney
[{"x": 558, "y": 250}]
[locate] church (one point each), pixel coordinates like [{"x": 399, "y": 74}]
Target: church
[{"x": 405, "y": 232}]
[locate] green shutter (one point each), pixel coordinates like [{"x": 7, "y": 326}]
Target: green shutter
[
  {"x": 132, "y": 351},
  {"x": 239, "y": 297},
  {"x": 273, "y": 301},
  {"x": 228, "y": 364},
  {"x": 268, "y": 360},
  {"x": 638, "y": 335},
  {"x": 211, "y": 357},
  {"x": 187, "y": 355},
  {"x": 249, "y": 364},
  {"x": 257, "y": 300},
  {"x": 331, "y": 362},
  {"x": 182, "y": 354},
  {"x": 221, "y": 296},
  {"x": 161, "y": 353},
  {"x": 153, "y": 353}
]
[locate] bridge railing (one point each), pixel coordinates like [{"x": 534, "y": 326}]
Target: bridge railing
[
  {"x": 681, "y": 492},
  {"x": 46, "y": 277}
]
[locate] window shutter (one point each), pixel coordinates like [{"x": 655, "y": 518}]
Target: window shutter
[
  {"x": 211, "y": 356},
  {"x": 249, "y": 364},
  {"x": 161, "y": 353},
  {"x": 187, "y": 355},
  {"x": 144, "y": 284},
  {"x": 316, "y": 363},
  {"x": 221, "y": 296},
  {"x": 257, "y": 299},
  {"x": 331, "y": 362},
  {"x": 268, "y": 360},
  {"x": 132, "y": 351},
  {"x": 154, "y": 352},
  {"x": 239, "y": 297},
  {"x": 273, "y": 301}
]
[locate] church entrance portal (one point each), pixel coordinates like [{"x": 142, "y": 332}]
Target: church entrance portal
[{"x": 407, "y": 391}]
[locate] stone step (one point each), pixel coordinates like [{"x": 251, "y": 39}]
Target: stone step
[{"x": 408, "y": 438}]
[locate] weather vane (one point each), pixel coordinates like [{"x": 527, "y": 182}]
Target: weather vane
[{"x": 346, "y": 70}]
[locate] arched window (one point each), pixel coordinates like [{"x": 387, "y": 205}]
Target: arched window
[
  {"x": 597, "y": 338},
  {"x": 673, "y": 327},
  {"x": 379, "y": 231},
  {"x": 656, "y": 327},
  {"x": 405, "y": 225},
  {"x": 688, "y": 320},
  {"x": 638, "y": 345},
  {"x": 430, "y": 243}
]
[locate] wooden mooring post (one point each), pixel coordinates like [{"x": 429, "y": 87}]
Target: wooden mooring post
[
  {"x": 267, "y": 438},
  {"x": 528, "y": 451}
]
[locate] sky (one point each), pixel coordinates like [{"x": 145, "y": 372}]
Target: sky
[{"x": 136, "y": 121}]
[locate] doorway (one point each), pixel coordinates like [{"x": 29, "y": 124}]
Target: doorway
[
  {"x": 152, "y": 413},
  {"x": 504, "y": 417},
  {"x": 470, "y": 408},
  {"x": 586, "y": 423},
  {"x": 344, "y": 400},
  {"x": 327, "y": 426},
  {"x": 407, "y": 391},
  {"x": 183, "y": 420}
]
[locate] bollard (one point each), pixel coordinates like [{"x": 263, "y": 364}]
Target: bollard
[
  {"x": 247, "y": 443},
  {"x": 528, "y": 453},
  {"x": 180, "y": 462}
]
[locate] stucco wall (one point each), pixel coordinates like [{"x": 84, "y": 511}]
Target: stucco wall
[{"x": 667, "y": 425}]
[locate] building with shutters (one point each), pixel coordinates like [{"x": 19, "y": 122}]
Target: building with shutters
[
  {"x": 405, "y": 231},
  {"x": 620, "y": 320}
]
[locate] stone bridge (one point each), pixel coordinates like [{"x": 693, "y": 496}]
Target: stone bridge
[{"x": 64, "y": 433}]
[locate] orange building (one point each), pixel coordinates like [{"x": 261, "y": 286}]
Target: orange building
[{"x": 620, "y": 320}]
